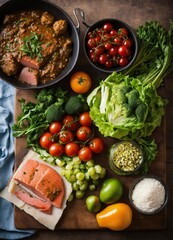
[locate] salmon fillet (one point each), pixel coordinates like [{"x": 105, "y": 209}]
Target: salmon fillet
[
  {"x": 26, "y": 197},
  {"x": 44, "y": 181}
]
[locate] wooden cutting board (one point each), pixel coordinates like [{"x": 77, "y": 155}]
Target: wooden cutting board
[{"x": 75, "y": 215}]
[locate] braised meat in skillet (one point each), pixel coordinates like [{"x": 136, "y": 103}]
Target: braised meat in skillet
[{"x": 34, "y": 47}]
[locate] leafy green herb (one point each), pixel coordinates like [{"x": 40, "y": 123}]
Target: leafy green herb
[
  {"x": 32, "y": 120},
  {"x": 32, "y": 45}
]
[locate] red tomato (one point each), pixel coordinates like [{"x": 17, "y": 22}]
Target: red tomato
[
  {"x": 113, "y": 51},
  {"x": 102, "y": 59},
  {"x": 99, "y": 50},
  {"x": 55, "y": 127},
  {"x": 107, "y": 27},
  {"x": 91, "y": 43},
  {"x": 113, "y": 32},
  {"x": 123, "y": 61},
  {"x": 109, "y": 63},
  {"x": 97, "y": 39},
  {"x": 46, "y": 140},
  {"x": 118, "y": 40},
  {"x": 84, "y": 133},
  {"x": 71, "y": 149},
  {"x": 85, "y": 154},
  {"x": 97, "y": 145},
  {"x": 70, "y": 122},
  {"x": 66, "y": 136},
  {"x": 128, "y": 42},
  {"x": 106, "y": 37},
  {"x": 123, "y": 31},
  {"x": 93, "y": 57},
  {"x": 123, "y": 51},
  {"x": 56, "y": 149},
  {"x": 84, "y": 119},
  {"x": 107, "y": 46},
  {"x": 90, "y": 35}
]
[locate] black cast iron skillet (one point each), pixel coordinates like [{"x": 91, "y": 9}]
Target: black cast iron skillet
[{"x": 13, "y": 6}]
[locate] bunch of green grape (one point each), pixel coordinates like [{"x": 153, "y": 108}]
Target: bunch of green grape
[{"x": 82, "y": 175}]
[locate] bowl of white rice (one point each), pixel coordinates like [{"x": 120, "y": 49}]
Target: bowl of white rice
[{"x": 148, "y": 194}]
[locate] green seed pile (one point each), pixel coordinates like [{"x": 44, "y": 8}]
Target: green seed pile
[{"x": 127, "y": 156}]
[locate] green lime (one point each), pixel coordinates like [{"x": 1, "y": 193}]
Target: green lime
[
  {"x": 111, "y": 191},
  {"x": 93, "y": 203}
]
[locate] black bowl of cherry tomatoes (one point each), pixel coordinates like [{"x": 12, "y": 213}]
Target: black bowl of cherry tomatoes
[{"x": 110, "y": 45}]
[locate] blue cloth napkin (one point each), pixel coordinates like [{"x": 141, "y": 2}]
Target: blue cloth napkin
[{"x": 7, "y": 228}]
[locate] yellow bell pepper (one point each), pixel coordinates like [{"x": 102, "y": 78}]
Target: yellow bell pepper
[{"x": 117, "y": 216}]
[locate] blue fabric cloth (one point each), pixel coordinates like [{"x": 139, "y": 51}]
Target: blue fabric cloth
[{"x": 7, "y": 228}]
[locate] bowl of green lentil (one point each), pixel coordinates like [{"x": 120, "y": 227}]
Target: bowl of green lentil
[{"x": 125, "y": 158}]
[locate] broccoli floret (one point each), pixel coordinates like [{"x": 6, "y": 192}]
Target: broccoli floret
[
  {"x": 133, "y": 98},
  {"x": 141, "y": 112},
  {"x": 54, "y": 112},
  {"x": 76, "y": 104}
]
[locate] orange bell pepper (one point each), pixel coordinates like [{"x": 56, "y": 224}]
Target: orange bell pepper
[{"x": 117, "y": 216}]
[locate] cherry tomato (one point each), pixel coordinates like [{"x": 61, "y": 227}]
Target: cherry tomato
[
  {"x": 123, "y": 61},
  {"x": 97, "y": 39},
  {"x": 97, "y": 145},
  {"x": 109, "y": 63},
  {"x": 128, "y": 43},
  {"x": 107, "y": 27},
  {"x": 118, "y": 40},
  {"x": 102, "y": 59},
  {"x": 55, "y": 127},
  {"x": 66, "y": 136},
  {"x": 107, "y": 46},
  {"x": 93, "y": 57},
  {"x": 113, "y": 51},
  {"x": 70, "y": 122},
  {"x": 84, "y": 133},
  {"x": 46, "y": 140},
  {"x": 71, "y": 149},
  {"x": 113, "y": 32},
  {"x": 85, "y": 154},
  {"x": 123, "y": 31},
  {"x": 90, "y": 35},
  {"x": 99, "y": 50},
  {"x": 123, "y": 51},
  {"x": 56, "y": 149},
  {"x": 80, "y": 82},
  {"x": 84, "y": 119},
  {"x": 106, "y": 37},
  {"x": 91, "y": 43}
]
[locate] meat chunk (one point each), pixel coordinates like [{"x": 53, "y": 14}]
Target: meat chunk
[
  {"x": 9, "y": 64},
  {"x": 29, "y": 75},
  {"x": 60, "y": 27},
  {"x": 47, "y": 18}
]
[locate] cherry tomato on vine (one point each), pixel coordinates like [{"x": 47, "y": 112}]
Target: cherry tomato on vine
[
  {"x": 113, "y": 51},
  {"x": 123, "y": 31},
  {"x": 84, "y": 133},
  {"x": 70, "y": 122},
  {"x": 103, "y": 58},
  {"x": 107, "y": 27},
  {"x": 118, "y": 40},
  {"x": 85, "y": 119},
  {"x": 91, "y": 43},
  {"x": 66, "y": 136},
  {"x": 56, "y": 149},
  {"x": 99, "y": 50},
  {"x": 123, "y": 61},
  {"x": 128, "y": 43},
  {"x": 97, "y": 145},
  {"x": 123, "y": 51},
  {"x": 85, "y": 154},
  {"x": 71, "y": 149},
  {"x": 108, "y": 46},
  {"x": 46, "y": 140},
  {"x": 55, "y": 127},
  {"x": 109, "y": 63},
  {"x": 113, "y": 32}
]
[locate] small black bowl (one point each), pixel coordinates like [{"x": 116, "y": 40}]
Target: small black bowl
[
  {"x": 116, "y": 24},
  {"x": 132, "y": 187}
]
